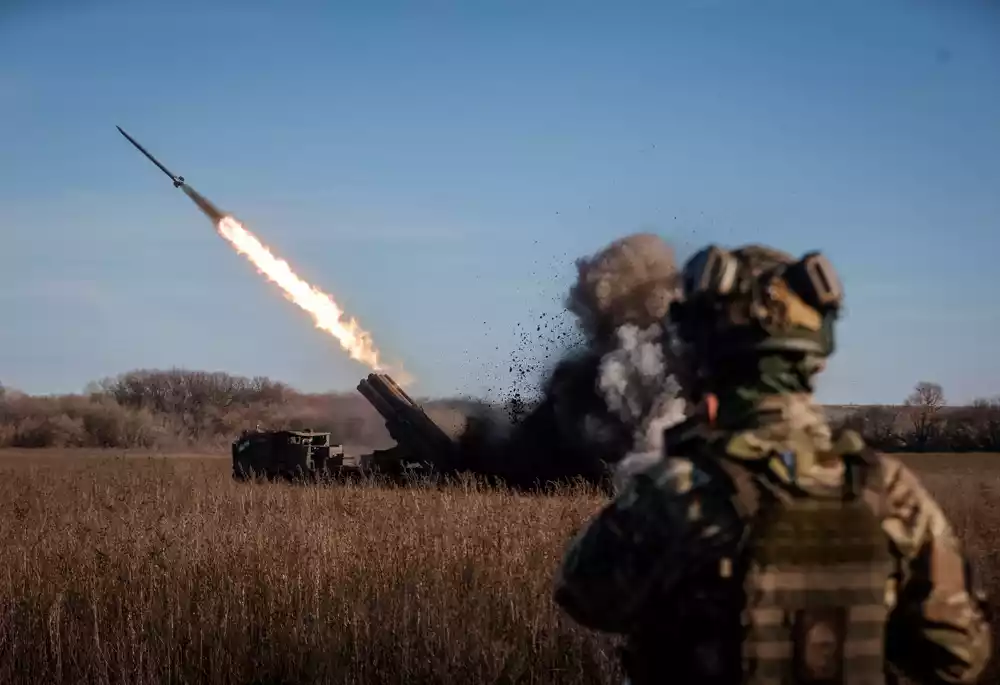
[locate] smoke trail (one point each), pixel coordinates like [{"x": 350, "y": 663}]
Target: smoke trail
[{"x": 325, "y": 312}]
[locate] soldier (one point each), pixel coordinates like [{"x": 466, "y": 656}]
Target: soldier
[{"x": 761, "y": 548}]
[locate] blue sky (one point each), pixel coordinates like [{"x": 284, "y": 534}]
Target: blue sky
[{"x": 438, "y": 169}]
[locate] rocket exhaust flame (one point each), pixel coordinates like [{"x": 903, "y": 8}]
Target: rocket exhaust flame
[
  {"x": 329, "y": 317},
  {"x": 326, "y": 313}
]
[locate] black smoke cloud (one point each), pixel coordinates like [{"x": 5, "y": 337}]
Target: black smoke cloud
[{"x": 610, "y": 394}]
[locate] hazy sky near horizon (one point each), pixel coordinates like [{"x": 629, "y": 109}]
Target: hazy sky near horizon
[{"x": 438, "y": 169}]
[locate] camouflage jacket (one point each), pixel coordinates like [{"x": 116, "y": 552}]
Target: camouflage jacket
[{"x": 636, "y": 564}]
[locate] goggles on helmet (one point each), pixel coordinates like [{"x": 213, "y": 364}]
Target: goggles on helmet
[{"x": 714, "y": 273}]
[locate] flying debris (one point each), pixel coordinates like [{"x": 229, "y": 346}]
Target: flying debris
[{"x": 210, "y": 210}]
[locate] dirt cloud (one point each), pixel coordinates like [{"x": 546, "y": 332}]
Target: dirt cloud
[{"x": 607, "y": 398}]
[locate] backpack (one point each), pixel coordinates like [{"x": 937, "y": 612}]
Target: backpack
[{"x": 815, "y": 568}]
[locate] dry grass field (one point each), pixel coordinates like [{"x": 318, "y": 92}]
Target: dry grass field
[{"x": 123, "y": 568}]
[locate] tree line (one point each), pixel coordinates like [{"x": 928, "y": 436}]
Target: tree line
[
  {"x": 925, "y": 423},
  {"x": 183, "y": 409},
  {"x": 178, "y": 409}
]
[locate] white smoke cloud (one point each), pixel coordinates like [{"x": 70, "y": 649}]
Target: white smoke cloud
[{"x": 640, "y": 388}]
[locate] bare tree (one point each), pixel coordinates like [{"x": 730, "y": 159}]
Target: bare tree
[
  {"x": 924, "y": 409},
  {"x": 925, "y": 394}
]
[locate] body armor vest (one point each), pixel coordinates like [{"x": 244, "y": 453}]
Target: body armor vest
[{"x": 804, "y": 595}]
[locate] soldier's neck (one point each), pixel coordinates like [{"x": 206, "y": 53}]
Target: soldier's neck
[
  {"x": 743, "y": 407},
  {"x": 763, "y": 394}
]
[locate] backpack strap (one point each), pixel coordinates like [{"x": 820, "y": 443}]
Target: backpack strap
[
  {"x": 693, "y": 440},
  {"x": 746, "y": 491},
  {"x": 862, "y": 467}
]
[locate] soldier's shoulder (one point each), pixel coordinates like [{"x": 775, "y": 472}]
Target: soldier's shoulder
[
  {"x": 892, "y": 469},
  {"x": 849, "y": 442},
  {"x": 912, "y": 516},
  {"x": 899, "y": 480}
]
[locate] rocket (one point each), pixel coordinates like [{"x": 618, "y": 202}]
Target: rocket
[{"x": 210, "y": 210}]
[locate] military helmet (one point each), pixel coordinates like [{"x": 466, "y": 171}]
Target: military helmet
[{"x": 756, "y": 299}]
